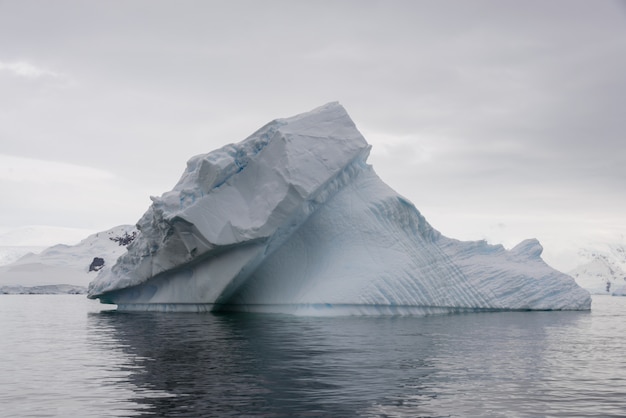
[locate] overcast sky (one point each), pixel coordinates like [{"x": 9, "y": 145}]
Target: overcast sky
[{"x": 501, "y": 120}]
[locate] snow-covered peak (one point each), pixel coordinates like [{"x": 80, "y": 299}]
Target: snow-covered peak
[
  {"x": 602, "y": 269},
  {"x": 530, "y": 248},
  {"x": 206, "y": 172},
  {"x": 328, "y": 121},
  {"x": 65, "y": 264}
]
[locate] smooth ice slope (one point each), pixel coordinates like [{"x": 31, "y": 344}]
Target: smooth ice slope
[{"x": 292, "y": 219}]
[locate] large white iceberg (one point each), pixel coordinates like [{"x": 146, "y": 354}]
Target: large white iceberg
[{"x": 292, "y": 219}]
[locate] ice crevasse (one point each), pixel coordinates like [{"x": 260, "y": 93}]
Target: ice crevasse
[{"x": 293, "y": 220}]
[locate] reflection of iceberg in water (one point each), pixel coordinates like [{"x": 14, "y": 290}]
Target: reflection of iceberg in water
[
  {"x": 270, "y": 365},
  {"x": 234, "y": 365},
  {"x": 293, "y": 219}
]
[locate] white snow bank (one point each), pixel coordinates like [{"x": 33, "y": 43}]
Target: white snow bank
[
  {"x": 292, "y": 219},
  {"x": 603, "y": 270},
  {"x": 620, "y": 291},
  {"x": 62, "y": 268}
]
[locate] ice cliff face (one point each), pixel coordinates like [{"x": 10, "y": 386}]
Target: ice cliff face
[{"x": 292, "y": 219}]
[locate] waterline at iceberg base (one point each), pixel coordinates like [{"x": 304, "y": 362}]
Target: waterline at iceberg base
[{"x": 293, "y": 220}]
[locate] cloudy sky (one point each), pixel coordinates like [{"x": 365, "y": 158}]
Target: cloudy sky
[{"x": 500, "y": 120}]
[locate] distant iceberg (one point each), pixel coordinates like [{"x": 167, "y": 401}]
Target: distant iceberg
[{"x": 293, "y": 220}]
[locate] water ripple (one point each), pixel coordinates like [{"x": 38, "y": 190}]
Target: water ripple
[{"x": 63, "y": 356}]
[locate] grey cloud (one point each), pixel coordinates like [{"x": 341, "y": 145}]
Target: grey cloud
[{"x": 508, "y": 100}]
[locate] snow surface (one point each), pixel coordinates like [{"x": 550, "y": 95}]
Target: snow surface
[
  {"x": 619, "y": 291},
  {"x": 293, "y": 219},
  {"x": 603, "y": 270},
  {"x": 10, "y": 253},
  {"x": 61, "y": 268}
]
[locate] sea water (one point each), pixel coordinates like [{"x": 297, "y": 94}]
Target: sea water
[{"x": 64, "y": 355}]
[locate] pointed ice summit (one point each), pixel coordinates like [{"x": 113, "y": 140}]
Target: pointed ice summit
[{"x": 292, "y": 219}]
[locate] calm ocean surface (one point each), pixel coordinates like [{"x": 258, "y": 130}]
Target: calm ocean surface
[{"x": 67, "y": 356}]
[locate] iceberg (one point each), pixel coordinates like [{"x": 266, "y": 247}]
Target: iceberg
[{"x": 293, "y": 220}]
